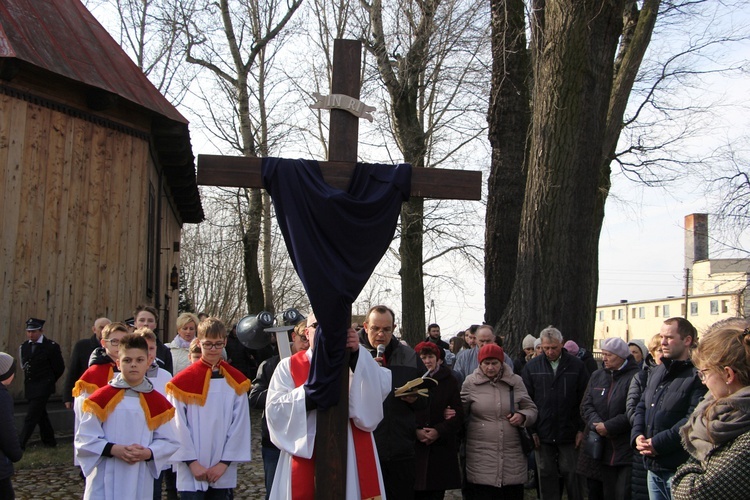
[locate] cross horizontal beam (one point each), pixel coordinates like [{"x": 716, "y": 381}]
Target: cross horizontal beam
[{"x": 241, "y": 171}]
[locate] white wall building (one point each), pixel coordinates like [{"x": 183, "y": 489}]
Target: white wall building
[{"x": 716, "y": 289}]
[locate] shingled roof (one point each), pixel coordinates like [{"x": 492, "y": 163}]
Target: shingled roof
[{"x": 62, "y": 37}]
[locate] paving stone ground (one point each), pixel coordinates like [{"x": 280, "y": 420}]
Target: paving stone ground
[{"x": 64, "y": 482}]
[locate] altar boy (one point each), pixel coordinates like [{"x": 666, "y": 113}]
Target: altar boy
[
  {"x": 126, "y": 434},
  {"x": 213, "y": 419}
]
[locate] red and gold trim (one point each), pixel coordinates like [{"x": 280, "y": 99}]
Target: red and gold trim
[
  {"x": 95, "y": 377},
  {"x": 190, "y": 386}
]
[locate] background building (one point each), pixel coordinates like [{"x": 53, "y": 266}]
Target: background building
[
  {"x": 97, "y": 177},
  {"x": 715, "y": 289}
]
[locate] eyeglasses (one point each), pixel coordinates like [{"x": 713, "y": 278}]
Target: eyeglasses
[
  {"x": 375, "y": 330},
  {"x": 209, "y": 346},
  {"x": 303, "y": 338},
  {"x": 113, "y": 342},
  {"x": 702, "y": 374}
]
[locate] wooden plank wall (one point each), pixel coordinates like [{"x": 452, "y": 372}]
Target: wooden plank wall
[{"x": 73, "y": 224}]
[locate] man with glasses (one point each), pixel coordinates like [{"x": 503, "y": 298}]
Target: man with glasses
[
  {"x": 672, "y": 392},
  {"x": 79, "y": 359},
  {"x": 292, "y": 421},
  {"x": 102, "y": 369},
  {"x": 396, "y": 434}
]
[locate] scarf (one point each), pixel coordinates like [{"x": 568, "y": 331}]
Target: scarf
[
  {"x": 156, "y": 409},
  {"x": 181, "y": 343},
  {"x": 716, "y": 422}
]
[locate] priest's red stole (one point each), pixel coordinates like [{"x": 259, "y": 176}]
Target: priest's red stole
[{"x": 303, "y": 469}]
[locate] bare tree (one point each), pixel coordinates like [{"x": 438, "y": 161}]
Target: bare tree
[
  {"x": 146, "y": 33},
  {"x": 238, "y": 51},
  {"x": 428, "y": 56},
  {"x": 594, "y": 52}
]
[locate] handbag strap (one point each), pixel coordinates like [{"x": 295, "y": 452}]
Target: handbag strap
[{"x": 512, "y": 403}]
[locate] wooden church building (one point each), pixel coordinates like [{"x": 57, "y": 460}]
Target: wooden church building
[{"x": 97, "y": 177}]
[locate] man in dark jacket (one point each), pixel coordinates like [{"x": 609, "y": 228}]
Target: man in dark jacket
[
  {"x": 10, "y": 449},
  {"x": 672, "y": 392},
  {"x": 556, "y": 382},
  {"x": 79, "y": 359},
  {"x": 433, "y": 335},
  {"x": 395, "y": 437},
  {"x": 603, "y": 410},
  {"x": 42, "y": 363}
]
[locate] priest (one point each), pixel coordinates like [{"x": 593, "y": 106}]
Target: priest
[{"x": 291, "y": 416}]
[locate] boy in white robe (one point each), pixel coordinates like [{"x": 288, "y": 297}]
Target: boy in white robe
[
  {"x": 102, "y": 369},
  {"x": 159, "y": 377},
  {"x": 126, "y": 434},
  {"x": 292, "y": 427},
  {"x": 213, "y": 419}
]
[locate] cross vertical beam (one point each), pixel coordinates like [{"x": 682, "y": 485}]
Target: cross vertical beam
[{"x": 332, "y": 425}]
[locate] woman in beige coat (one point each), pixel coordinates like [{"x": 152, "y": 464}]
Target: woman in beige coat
[{"x": 495, "y": 462}]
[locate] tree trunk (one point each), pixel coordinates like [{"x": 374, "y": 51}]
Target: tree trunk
[
  {"x": 508, "y": 118},
  {"x": 250, "y": 244},
  {"x": 556, "y": 277},
  {"x": 412, "y": 284},
  {"x": 268, "y": 295}
]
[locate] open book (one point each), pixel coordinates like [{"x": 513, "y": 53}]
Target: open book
[{"x": 417, "y": 387}]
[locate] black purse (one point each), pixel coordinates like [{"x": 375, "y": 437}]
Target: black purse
[
  {"x": 593, "y": 445},
  {"x": 527, "y": 442}
]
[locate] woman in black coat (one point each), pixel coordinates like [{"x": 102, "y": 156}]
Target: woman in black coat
[
  {"x": 603, "y": 410},
  {"x": 437, "y": 437},
  {"x": 10, "y": 447}
]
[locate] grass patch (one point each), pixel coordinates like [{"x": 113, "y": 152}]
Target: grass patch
[{"x": 36, "y": 455}]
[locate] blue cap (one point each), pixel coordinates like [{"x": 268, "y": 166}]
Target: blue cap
[{"x": 34, "y": 324}]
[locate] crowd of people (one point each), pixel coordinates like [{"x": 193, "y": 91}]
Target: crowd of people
[{"x": 666, "y": 419}]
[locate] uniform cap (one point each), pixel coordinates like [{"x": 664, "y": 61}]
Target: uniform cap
[{"x": 34, "y": 324}]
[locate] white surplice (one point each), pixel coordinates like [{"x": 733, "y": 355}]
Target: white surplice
[
  {"x": 216, "y": 431},
  {"x": 369, "y": 385},
  {"x": 109, "y": 478}
]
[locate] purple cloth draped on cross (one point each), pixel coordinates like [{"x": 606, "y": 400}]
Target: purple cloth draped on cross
[{"x": 335, "y": 240}]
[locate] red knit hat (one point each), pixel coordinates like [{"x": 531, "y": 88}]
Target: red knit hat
[
  {"x": 491, "y": 351},
  {"x": 429, "y": 346}
]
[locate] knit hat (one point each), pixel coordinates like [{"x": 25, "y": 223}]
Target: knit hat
[
  {"x": 572, "y": 347},
  {"x": 528, "y": 341},
  {"x": 491, "y": 351},
  {"x": 429, "y": 346},
  {"x": 7, "y": 366},
  {"x": 537, "y": 343},
  {"x": 616, "y": 346}
]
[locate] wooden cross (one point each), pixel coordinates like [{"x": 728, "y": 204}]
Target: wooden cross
[{"x": 215, "y": 170}]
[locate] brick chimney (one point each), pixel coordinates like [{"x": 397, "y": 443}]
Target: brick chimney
[{"x": 696, "y": 242}]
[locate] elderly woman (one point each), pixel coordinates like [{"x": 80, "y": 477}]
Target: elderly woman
[
  {"x": 437, "y": 436},
  {"x": 495, "y": 462},
  {"x": 603, "y": 410},
  {"x": 187, "y": 326},
  {"x": 717, "y": 434}
]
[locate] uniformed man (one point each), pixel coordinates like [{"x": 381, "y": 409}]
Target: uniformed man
[{"x": 42, "y": 363}]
